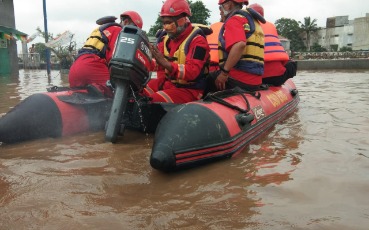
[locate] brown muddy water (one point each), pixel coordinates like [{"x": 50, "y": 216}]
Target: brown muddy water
[{"x": 310, "y": 171}]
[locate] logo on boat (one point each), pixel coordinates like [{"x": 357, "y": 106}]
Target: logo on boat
[
  {"x": 277, "y": 98},
  {"x": 258, "y": 112}
]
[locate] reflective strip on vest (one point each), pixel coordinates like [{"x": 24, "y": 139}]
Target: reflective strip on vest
[
  {"x": 179, "y": 56},
  {"x": 273, "y": 50}
]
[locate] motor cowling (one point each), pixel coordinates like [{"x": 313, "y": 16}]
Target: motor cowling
[{"x": 131, "y": 57}]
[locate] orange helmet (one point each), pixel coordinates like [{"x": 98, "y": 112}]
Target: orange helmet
[
  {"x": 134, "y": 16},
  {"x": 246, "y": 2},
  {"x": 258, "y": 8},
  {"x": 172, "y": 8}
]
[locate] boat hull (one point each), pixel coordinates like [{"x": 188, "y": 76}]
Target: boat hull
[
  {"x": 201, "y": 132},
  {"x": 53, "y": 114}
]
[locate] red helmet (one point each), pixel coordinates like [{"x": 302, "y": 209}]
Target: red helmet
[
  {"x": 135, "y": 17},
  {"x": 258, "y": 8},
  {"x": 172, "y": 8},
  {"x": 246, "y": 2}
]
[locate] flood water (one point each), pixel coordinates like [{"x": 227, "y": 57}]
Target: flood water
[{"x": 310, "y": 171}]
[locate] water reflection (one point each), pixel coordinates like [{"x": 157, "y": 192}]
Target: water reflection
[{"x": 273, "y": 158}]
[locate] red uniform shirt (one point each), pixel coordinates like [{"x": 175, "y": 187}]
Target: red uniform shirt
[
  {"x": 111, "y": 33},
  {"x": 91, "y": 69},
  {"x": 234, "y": 32}
]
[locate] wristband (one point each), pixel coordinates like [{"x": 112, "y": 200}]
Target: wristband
[{"x": 223, "y": 70}]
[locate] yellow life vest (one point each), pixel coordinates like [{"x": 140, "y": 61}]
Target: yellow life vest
[
  {"x": 97, "y": 42},
  {"x": 252, "y": 59},
  {"x": 179, "y": 56}
]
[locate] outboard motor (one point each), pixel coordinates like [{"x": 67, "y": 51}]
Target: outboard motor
[{"x": 129, "y": 67}]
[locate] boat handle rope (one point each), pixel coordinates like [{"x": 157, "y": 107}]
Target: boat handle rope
[{"x": 221, "y": 101}]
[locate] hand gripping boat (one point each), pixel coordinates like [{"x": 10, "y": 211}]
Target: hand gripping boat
[{"x": 220, "y": 126}]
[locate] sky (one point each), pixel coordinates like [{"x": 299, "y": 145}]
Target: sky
[{"x": 79, "y": 16}]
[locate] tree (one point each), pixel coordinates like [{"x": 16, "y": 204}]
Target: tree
[
  {"x": 309, "y": 26},
  {"x": 63, "y": 52},
  {"x": 200, "y": 14},
  {"x": 317, "y": 48},
  {"x": 157, "y": 26},
  {"x": 345, "y": 49},
  {"x": 289, "y": 28}
]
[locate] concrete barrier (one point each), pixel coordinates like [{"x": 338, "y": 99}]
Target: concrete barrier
[{"x": 333, "y": 64}]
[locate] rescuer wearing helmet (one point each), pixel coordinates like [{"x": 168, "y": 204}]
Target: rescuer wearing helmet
[
  {"x": 90, "y": 68},
  {"x": 277, "y": 65},
  {"x": 241, "y": 52},
  {"x": 181, "y": 55}
]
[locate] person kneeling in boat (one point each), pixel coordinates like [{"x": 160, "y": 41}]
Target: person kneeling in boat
[
  {"x": 181, "y": 57},
  {"x": 241, "y": 52},
  {"x": 90, "y": 68},
  {"x": 277, "y": 65}
]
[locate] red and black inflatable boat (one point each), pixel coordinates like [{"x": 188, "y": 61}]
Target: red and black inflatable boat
[
  {"x": 220, "y": 126},
  {"x": 56, "y": 113}
]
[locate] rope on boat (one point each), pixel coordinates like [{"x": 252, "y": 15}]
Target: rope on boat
[{"x": 218, "y": 97}]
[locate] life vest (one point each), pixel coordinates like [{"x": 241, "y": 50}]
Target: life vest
[
  {"x": 273, "y": 49},
  {"x": 252, "y": 59},
  {"x": 179, "y": 57},
  {"x": 213, "y": 40},
  {"x": 97, "y": 42}
]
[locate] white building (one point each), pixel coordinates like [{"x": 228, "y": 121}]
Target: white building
[{"x": 342, "y": 32}]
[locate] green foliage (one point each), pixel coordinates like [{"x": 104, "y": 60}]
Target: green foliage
[
  {"x": 63, "y": 53},
  {"x": 290, "y": 29},
  {"x": 317, "y": 48},
  {"x": 40, "y": 48},
  {"x": 157, "y": 26},
  {"x": 309, "y": 26},
  {"x": 200, "y": 14},
  {"x": 49, "y": 37},
  {"x": 334, "y": 48},
  {"x": 287, "y": 27},
  {"x": 345, "y": 49}
]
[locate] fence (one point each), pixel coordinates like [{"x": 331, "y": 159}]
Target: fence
[
  {"x": 331, "y": 55},
  {"x": 29, "y": 60}
]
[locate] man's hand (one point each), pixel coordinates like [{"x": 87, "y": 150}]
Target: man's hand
[
  {"x": 221, "y": 80},
  {"x": 159, "y": 57}
]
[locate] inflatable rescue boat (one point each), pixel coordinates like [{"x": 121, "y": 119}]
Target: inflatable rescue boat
[
  {"x": 56, "y": 113},
  {"x": 219, "y": 126}
]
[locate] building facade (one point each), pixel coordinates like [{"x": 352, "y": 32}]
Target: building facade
[
  {"x": 341, "y": 32},
  {"x": 9, "y": 37}
]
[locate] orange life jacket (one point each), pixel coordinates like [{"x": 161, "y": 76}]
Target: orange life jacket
[
  {"x": 213, "y": 40},
  {"x": 273, "y": 49}
]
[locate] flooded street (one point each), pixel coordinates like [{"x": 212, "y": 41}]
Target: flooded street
[{"x": 310, "y": 171}]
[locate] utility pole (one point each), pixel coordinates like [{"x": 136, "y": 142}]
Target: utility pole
[{"x": 47, "y": 51}]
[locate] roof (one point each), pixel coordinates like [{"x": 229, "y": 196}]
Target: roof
[
  {"x": 8, "y": 30},
  {"x": 10, "y": 33}
]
